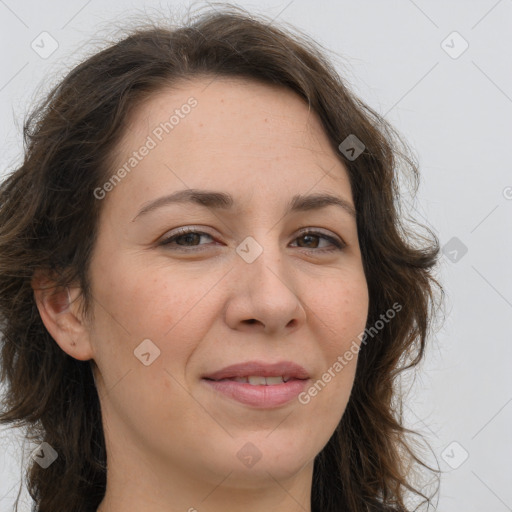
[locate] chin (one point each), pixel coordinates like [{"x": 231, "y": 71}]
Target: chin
[
  {"x": 258, "y": 459},
  {"x": 263, "y": 474}
]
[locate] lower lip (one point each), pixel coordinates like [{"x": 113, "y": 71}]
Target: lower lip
[{"x": 259, "y": 396}]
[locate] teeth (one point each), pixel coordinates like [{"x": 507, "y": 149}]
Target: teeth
[
  {"x": 257, "y": 381},
  {"x": 274, "y": 380},
  {"x": 264, "y": 381}
]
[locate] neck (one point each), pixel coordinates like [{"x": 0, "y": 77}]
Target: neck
[{"x": 179, "y": 492}]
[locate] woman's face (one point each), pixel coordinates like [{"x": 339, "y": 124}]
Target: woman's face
[{"x": 246, "y": 286}]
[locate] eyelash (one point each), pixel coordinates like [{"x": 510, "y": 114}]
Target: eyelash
[{"x": 338, "y": 245}]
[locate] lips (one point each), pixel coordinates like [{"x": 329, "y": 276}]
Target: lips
[
  {"x": 258, "y": 384},
  {"x": 288, "y": 370}
]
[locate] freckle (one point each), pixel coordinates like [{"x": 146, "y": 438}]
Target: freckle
[{"x": 266, "y": 120}]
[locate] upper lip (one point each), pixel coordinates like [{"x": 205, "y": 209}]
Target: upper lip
[{"x": 286, "y": 369}]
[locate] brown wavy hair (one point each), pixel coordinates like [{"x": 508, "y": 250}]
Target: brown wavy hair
[{"x": 48, "y": 222}]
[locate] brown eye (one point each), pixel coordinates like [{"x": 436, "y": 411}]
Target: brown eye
[
  {"x": 312, "y": 241},
  {"x": 185, "y": 237},
  {"x": 189, "y": 237}
]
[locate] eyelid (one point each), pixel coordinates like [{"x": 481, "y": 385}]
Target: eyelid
[
  {"x": 321, "y": 231},
  {"x": 183, "y": 230},
  {"x": 333, "y": 238}
]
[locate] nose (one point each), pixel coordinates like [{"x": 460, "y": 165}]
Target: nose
[{"x": 265, "y": 296}]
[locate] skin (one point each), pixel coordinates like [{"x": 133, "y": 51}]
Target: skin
[{"x": 172, "y": 442}]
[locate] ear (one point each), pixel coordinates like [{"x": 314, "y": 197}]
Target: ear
[{"x": 59, "y": 310}]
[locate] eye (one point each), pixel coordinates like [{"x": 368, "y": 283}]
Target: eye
[
  {"x": 310, "y": 235},
  {"x": 190, "y": 237},
  {"x": 183, "y": 237}
]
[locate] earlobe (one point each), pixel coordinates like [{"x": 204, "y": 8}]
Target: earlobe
[{"x": 58, "y": 309}]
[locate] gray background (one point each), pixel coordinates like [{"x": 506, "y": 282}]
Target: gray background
[{"x": 455, "y": 110}]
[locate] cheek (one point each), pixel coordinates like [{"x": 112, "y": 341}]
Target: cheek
[
  {"x": 146, "y": 329},
  {"x": 340, "y": 310},
  {"x": 135, "y": 303},
  {"x": 339, "y": 318},
  {"x": 148, "y": 300}
]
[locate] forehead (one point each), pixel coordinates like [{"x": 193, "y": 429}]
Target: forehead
[
  {"x": 217, "y": 132},
  {"x": 231, "y": 109}
]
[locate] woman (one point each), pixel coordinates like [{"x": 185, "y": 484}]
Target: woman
[{"x": 255, "y": 370}]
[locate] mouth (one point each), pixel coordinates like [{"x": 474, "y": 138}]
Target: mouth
[
  {"x": 259, "y": 385},
  {"x": 255, "y": 371},
  {"x": 257, "y": 380}
]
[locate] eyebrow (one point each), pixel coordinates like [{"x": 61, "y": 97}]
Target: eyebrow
[{"x": 224, "y": 201}]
